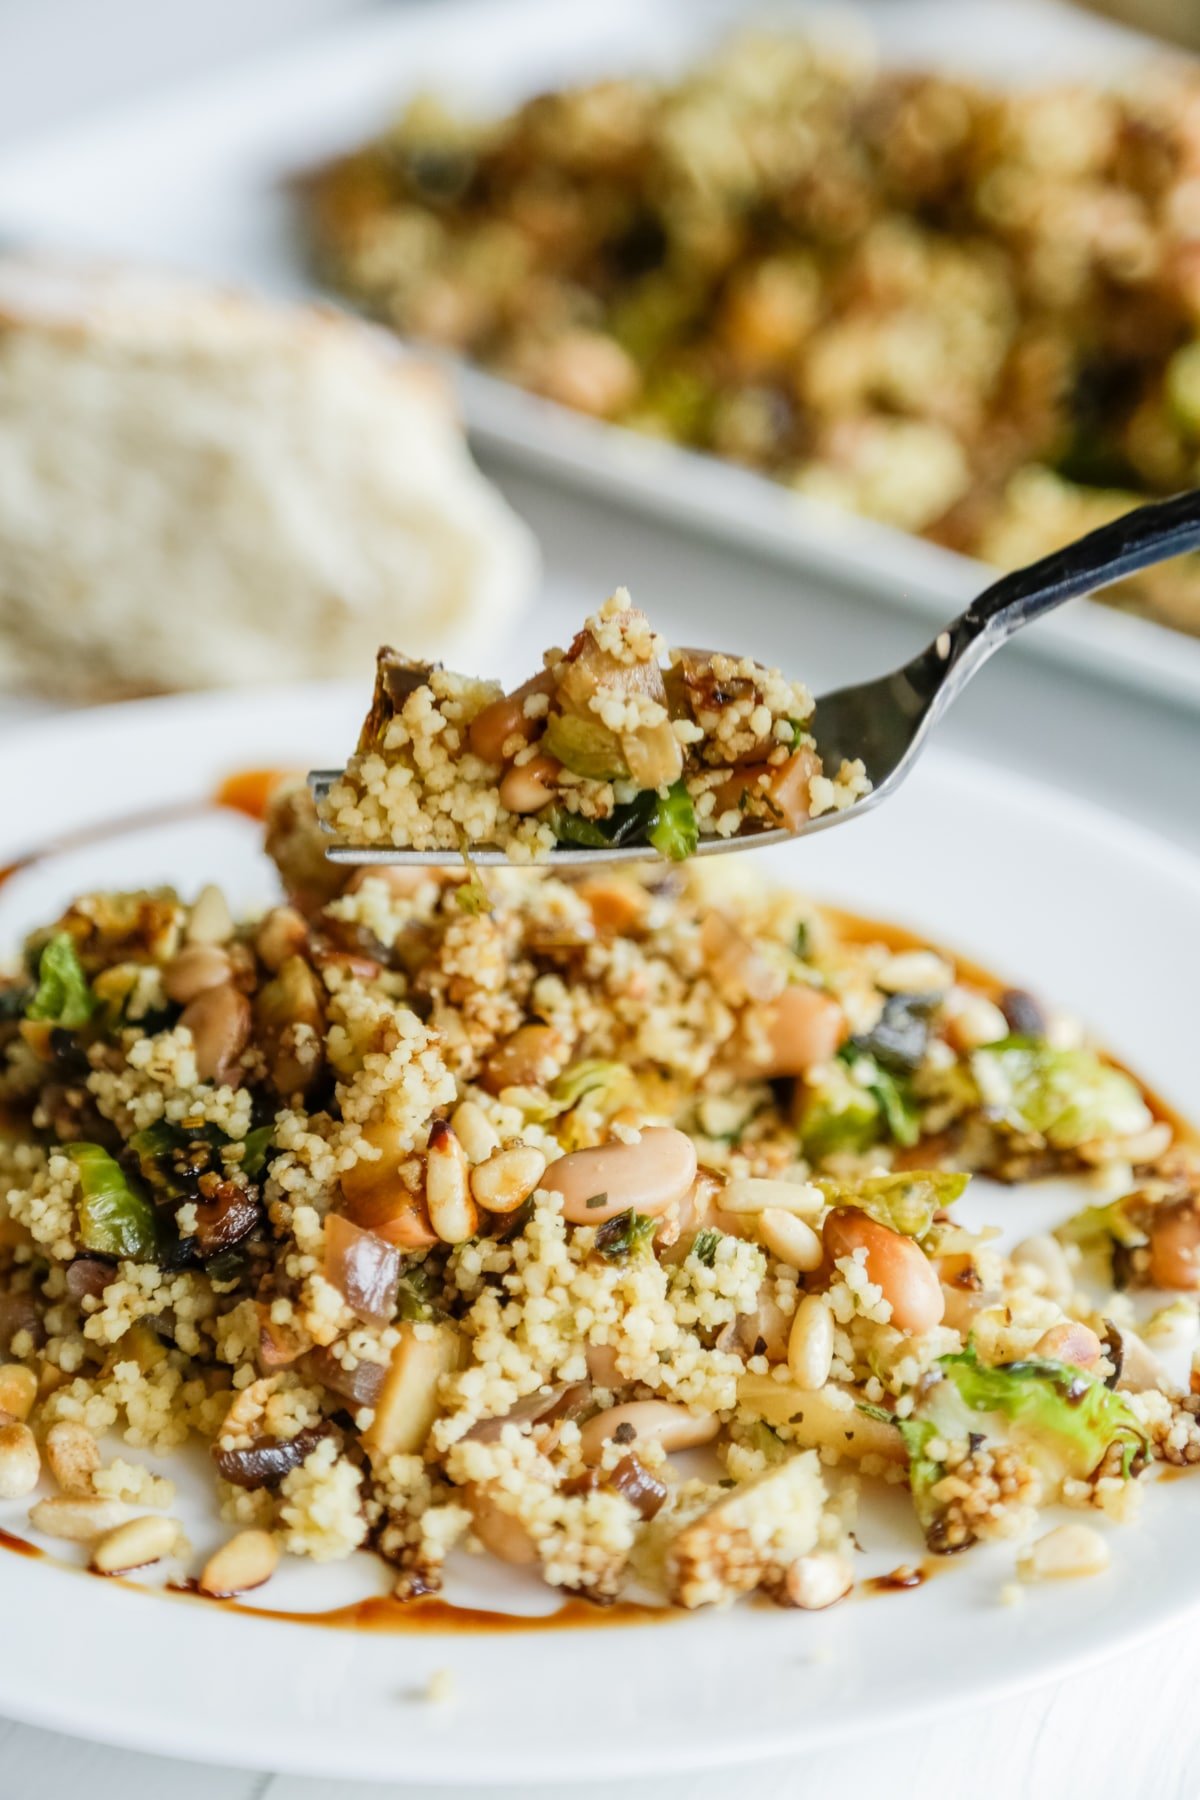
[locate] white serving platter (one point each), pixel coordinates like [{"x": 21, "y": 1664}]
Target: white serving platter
[
  {"x": 1093, "y": 913},
  {"x": 197, "y": 179}
]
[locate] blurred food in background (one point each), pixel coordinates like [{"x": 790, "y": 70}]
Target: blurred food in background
[
  {"x": 199, "y": 489},
  {"x": 972, "y": 314}
]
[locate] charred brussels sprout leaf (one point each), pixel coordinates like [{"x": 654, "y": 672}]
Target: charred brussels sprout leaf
[
  {"x": 256, "y": 1150},
  {"x": 1054, "y": 1402},
  {"x": 905, "y": 1202},
  {"x": 585, "y": 747},
  {"x": 1065, "y": 1096},
  {"x": 668, "y": 825},
  {"x": 673, "y": 830},
  {"x": 625, "y": 1235},
  {"x": 115, "y": 1217},
  {"x": 1100, "y": 1224},
  {"x": 838, "y": 1115},
  {"x": 62, "y": 996},
  {"x": 897, "y": 1110}
]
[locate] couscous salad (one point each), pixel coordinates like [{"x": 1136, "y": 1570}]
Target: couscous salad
[
  {"x": 617, "y": 740},
  {"x": 606, "y": 1228}
]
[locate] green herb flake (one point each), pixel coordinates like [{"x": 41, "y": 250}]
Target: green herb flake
[{"x": 705, "y": 1245}]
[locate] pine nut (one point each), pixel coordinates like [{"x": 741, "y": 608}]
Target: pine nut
[
  {"x": 647, "y": 1176},
  {"x": 452, "y": 1212},
  {"x": 657, "y": 1421},
  {"x": 20, "y": 1464},
  {"x": 219, "y": 1021},
  {"x": 1067, "y": 1551},
  {"x": 973, "y": 1021},
  {"x": 508, "y": 1178},
  {"x": 18, "y": 1391},
  {"x": 135, "y": 1544},
  {"x": 790, "y": 1239},
  {"x": 195, "y": 970},
  {"x": 73, "y": 1455},
  {"x": 915, "y": 972},
  {"x": 474, "y": 1131},
  {"x": 528, "y": 787},
  {"x": 810, "y": 1343},
  {"x": 897, "y": 1266},
  {"x": 754, "y": 1194},
  {"x": 77, "y": 1521},
  {"x": 247, "y": 1561},
  {"x": 282, "y": 935},
  {"x": 817, "y": 1580},
  {"x": 211, "y": 921},
  {"x": 1072, "y": 1343},
  {"x": 1045, "y": 1254}
]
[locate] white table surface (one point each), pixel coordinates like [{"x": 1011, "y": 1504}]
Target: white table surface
[{"x": 1130, "y": 1728}]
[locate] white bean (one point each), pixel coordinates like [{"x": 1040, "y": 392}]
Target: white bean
[{"x": 647, "y": 1176}]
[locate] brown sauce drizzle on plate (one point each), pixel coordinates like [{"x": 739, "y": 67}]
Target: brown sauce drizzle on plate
[{"x": 18, "y": 1545}]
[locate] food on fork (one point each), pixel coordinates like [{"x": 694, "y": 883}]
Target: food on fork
[
  {"x": 966, "y": 309},
  {"x": 616, "y": 741},
  {"x": 612, "y": 1231},
  {"x": 198, "y": 489}
]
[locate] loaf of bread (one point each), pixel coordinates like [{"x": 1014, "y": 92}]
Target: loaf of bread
[{"x": 200, "y": 488}]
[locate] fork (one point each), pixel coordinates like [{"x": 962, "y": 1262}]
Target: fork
[{"x": 887, "y": 722}]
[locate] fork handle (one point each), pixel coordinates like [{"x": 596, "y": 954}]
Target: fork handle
[{"x": 1149, "y": 534}]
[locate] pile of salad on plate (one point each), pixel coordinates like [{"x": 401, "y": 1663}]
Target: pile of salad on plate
[
  {"x": 618, "y": 740},
  {"x": 608, "y": 1228},
  {"x": 968, "y": 311}
]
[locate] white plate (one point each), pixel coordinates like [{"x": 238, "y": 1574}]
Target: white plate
[
  {"x": 197, "y": 179},
  {"x": 1066, "y": 899}
]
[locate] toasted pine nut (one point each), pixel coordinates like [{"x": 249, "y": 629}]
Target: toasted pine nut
[
  {"x": 528, "y": 787},
  {"x": 1045, "y": 1254},
  {"x": 78, "y": 1521},
  {"x": 474, "y": 1131},
  {"x": 915, "y": 972},
  {"x": 648, "y": 1176},
  {"x": 282, "y": 934},
  {"x": 972, "y": 1020},
  {"x": 658, "y": 1421},
  {"x": 506, "y": 1180},
  {"x": 810, "y": 1343},
  {"x": 790, "y": 1239},
  {"x": 755, "y": 1194},
  {"x": 20, "y": 1464},
  {"x": 133, "y": 1545},
  {"x": 246, "y": 1561},
  {"x": 1068, "y": 1550},
  {"x": 219, "y": 1021},
  {"x": 18, "y": 1391},
  {"x": 197, "y": 968},
  {"x": 452, "y": 1212},
  {"x": 897, "y": 1266},
  {"x": 211, "y": 921},
  {"x": 1072, "y": 1343},
  {"x": 73, "y": 1455},
  {"x": 817, "y": 1580}
]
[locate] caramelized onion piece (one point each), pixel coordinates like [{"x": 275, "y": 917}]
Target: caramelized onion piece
[
  {"x": 361, "y": 1385},
  {"x": 363, "y": 1267},
  {"x": 267, "y": 1461}
]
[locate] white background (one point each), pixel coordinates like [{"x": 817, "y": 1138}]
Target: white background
[{"x": 1130, "y": 1728}]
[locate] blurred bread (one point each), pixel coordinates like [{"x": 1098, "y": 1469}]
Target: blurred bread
[{"x": 199, "y": 488}]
